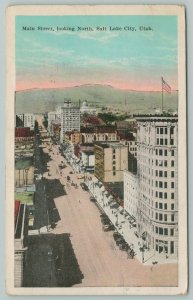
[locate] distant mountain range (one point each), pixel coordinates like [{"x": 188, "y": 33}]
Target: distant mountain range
[{"x": 44, "y": 100}]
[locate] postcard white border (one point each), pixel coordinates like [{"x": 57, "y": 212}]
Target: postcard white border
[{"x": 182, "y": 167}]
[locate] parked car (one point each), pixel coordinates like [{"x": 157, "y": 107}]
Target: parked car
[
  {"x": 124, "y": 246},
  {"x": 106, "y": 221},
  {"x": 108, "y": 227},
  {"x": 84, "y": 186},
  {"x": 116, "y": 235},
  {"x": 120, "y": 241},
  {"x": 92, "y": 198}
]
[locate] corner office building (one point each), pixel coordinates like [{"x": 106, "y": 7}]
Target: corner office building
[
  {"x": 111, "y": 159},
  {"x": 70, "y": 118},
  {"x": 156, "y": 205}
]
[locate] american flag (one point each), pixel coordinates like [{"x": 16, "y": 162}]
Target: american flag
[{"x": 165, "y": 86}]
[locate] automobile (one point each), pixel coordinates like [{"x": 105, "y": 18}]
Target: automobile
[
  {"x": 84, "y": 186},
  {"x": 124, "y": 247},
  {"x": 106, "y": 221},
  {"x": 80, "y": 176},
  {"x": 108, "y": 227},
  {"x": 92, "y": 198},
  {"x": 120, "y": 241},
  {"x": 116, "y": 235}
]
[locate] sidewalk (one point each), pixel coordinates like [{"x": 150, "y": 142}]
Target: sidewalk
[{"x": 123, "y": 226}]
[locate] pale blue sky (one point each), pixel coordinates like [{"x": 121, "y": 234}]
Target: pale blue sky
[{"x": 126, "y": 59}]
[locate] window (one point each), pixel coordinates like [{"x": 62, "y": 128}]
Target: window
[
  {"x": 172, "y": 163},
  {"x": 114, "y": 162},
  {"x": 156, "y": 216},
  {"x": 160, "y": 217},
  {"x": 172, "y": 152},
  {"x": 172, "y": 174},
  {"x": 114, "y": 173},
  {"x": 172, "y": 247},
  {"x": 156, "y": 194},
  {"x": 172, "y": 196},
  {"x": 160, "y": 206},
  {"x": 165, "y": 163},
  {"x": 160, "y": 173},
  {"x": 165, "y": 185},
  {"x": 156, "y": 173},
  {"x": 166, "y": 152},
  {"x": 156, "y": 162},
  {"x": 160, "y": 152},
  {"x": 113, "y": 156},
  {"x": 161, "y": 130},
  {"x": 172, "y": 217},
  {"x": 165, "y": 174},
  {"x": 165, "y": 206},
  {"x": 156, "y": 184},
  {"x": 171, "y": 231},
  {"x": 165, "y": 195},
  {"x": 160, "y": 230},
  {"x": 166, "y": 130},
  {"x": 172, "y": 206},
  {"x": 157, "y": 141},
  {"x": 157, "y": 130},
  {"x": 156, "y": 205},
  {"x": 172, "y": 130},
  {"x": 160, "y": 184},
  {"x": 172, "y": 142},
  {"x": 161, "y": 141},
  {"x": 165, "y": 231},
  {"x": 166, "y": 141},
  {"x": 172, "y": 185},
  {"x": 165, "y": 218},
  {"x": 114, "y": 168},
  {"x": 113, "y": 151}
]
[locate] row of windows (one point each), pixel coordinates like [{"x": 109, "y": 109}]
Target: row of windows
[
  {"x": 162, "y": 152},
  {"x": 161, "y": 173},
  {"x": 164, "y": 142},
  {"x": 164, "y": 231},
  {"x": 162, "y": 195},
  {"x": 164, "y": 217},
  {"x": 164, "y": 163},
  {"x": 164, "y": 130},
  {"x": 160, "y": 205},
  {"x": 162, "y": 184}
]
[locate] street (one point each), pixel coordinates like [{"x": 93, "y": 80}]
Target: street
[{"x": 96, "y": 259}]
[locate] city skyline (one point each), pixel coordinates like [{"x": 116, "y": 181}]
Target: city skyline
[{"x": 127, "y": 59}]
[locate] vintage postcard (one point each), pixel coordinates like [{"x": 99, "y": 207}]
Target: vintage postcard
[{"x": 96, "y": 200}]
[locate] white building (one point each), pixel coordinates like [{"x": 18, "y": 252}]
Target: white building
[
  {"x": 53, "y": 116},
  {"x": 70, "y": 118},
  {"x": 27, "y": 119},
  {"x": 88, "y": 160},
  {"x": 131, "y": 193},
  {"x": 85, "y": 109},
  {"x": 157, "y": 176}
]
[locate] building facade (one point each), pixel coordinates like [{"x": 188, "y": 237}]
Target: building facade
[
  {"x": 131, "y": 193},
  {"x": 70, "y": 118},
  {"x": 111, "y": 159},
  {"x": 28, "y": 120},
  {"x": 157, "y": 182}
]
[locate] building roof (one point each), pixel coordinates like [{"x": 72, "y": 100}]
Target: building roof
[
  {"x": 110, "y": 145},
  {"x": 156, "y": 118}
]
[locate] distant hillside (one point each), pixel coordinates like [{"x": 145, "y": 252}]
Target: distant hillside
[{"x": 43, "y": 100}]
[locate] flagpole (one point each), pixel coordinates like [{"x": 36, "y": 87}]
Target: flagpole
[{"x": 162, "y": 96}]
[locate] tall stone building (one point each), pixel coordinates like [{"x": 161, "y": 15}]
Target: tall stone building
[
  {"x": 111, "y": 159},
  {"x": 70, "y": 118},
  {"x": 156, "y": 204}
]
